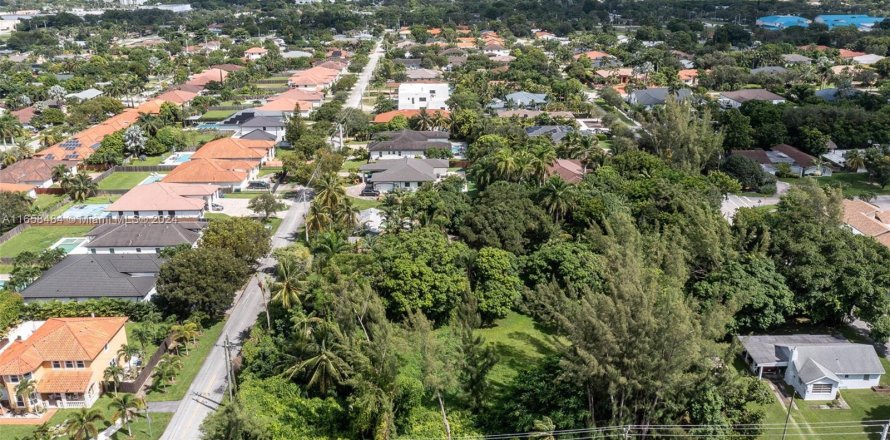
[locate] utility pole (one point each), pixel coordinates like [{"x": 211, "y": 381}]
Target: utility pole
[
  {"x": 261, "y": 280},
  {"x": 229, "y": 373},
  {"x": 788, "y": 416}
]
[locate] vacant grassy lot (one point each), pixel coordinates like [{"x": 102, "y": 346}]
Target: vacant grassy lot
[
  {"x": 363, "y": 204},
  {"x": 853, "y": 184},
  {"x": 518, "y": 343},
  {"x": 38, "y": 238},
  {"x": 123, "y": 180},
  {"x": 217, "y": 115},
  {"x": 352, "y": 165},
  {"x": 45, "y": 201}
]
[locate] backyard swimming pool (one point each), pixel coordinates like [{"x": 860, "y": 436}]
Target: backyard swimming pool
[
  {"x": 154, "y": 177},
  {"x": 68, "y": 243},
  {"x": 179, "y": 158},
  {"x": 87, "y": 211}
]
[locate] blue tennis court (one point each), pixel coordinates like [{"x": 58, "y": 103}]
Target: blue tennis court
[{"x": 87, "y": 211}]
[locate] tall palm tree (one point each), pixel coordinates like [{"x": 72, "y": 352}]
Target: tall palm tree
[
  {"x": 84, "y": 424},
  {"x": 329, "y": 192},
  {"x": 288, "y": 289},
  {"x": 150, "y": 123},
  {"x": 423, "y": 121},
  {"x": 185, "y": 333},
  {"x": 557, "y": 197},
  {"x": 329, "y": 244},
  {"x": 10, "y": 128},
  {"x": 325, "y": 366},
  {"x": 26, "y": 389},
  {"x": 855, "y": 160},
  {"x": 542, "y": 157},
  {"x": 126, "y": 407},
  {"x": 59, "y": 172},
  {"x": 345, "y": 215},
  {"x": 505, "y": 163},
  {"x": 127, "y": 353},
  {"x": 317, "y": 219},
  {"x": 79, "y": 186},
  {"x": 114, "y": 374}
]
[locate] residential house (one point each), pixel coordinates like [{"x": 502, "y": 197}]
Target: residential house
[
  {"x": 522, "y": 113},
  {"x": 736, "y": 98},
  {"x": 386, "y": 117},
  {"x": 793, "y": 58},
  {"x": 233, "y": 174},
  {"x": 688, "y": 77},
  {"x": 18, "y": 188},
  {"x": 526, "y": 100},
  {"x": 422, "y": 74},
  {"x": 801, "y": 163},
  {"x": 255, "y": 53},
  {"x": 568, "y": 169},
  {"x": 597, "y": 58},
  {"x": 259, "y": 135},
  {"x": 409, "y": 63},
  {"x": 34, "y": 172},
  {"x": 621, "y": 75},
  {"x": 315, "y": 78},
  {"x": 556, "y": 132},
  {"x": 286, "y": 107},
  {"x": 139, "y": 238},
  {"x": 655, "y": 96},
  {"x": 179, "y": 97},
  {"x": 816, "y": 366},
  {"x": 208, "y": 75},
  {"x": 66, "y": 357},
  {"x": 863, "y": 218},
  {"x": 313, "y": 97},
  {"x": 405, "y": 173},
  {"x": 248, "y": 120},
  {"x": 495, "y": 50},
  {"x": 429, "y": 95},
  {"x": 165, "y": 200},
  {"x": 407, "y": 143},
  {"x": 292, "y": 54},
  {"x": 85, "y": 95},
  {"x": 237, "y": 149},
  {"x": 868, "y": 59},
  {"x": 87, "y": 276}
]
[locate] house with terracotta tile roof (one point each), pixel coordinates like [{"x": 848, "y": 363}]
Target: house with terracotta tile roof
[
  {"x": 287, "y": 106},
  {"x": 567, "y": 169},
  {"x": 165, "y": 200},
  {"x": 863, "y": 218},
  {"x": 315, "y": 78},
  {"x": 66, "y": 357},
  {"x": 81, "y": 145},
  {"x": 180, "y": 97},
  {"x": 311, "y": 96},
  {"x": 597, "y": 58},
  {"x": 208, "y": 75},
  {"x": 237, "y": 149},
  {"x": 234, "y": 174},
  {"x": 18, "y": 188},
  {"x": 34, "y": 172},
  {"x": 688, "y": 76},
  {"x": 255, "y": 53}
]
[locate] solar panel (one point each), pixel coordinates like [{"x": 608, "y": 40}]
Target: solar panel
[{"x": 71, "y": 156}]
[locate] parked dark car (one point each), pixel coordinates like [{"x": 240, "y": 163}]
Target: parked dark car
[
  {"x": 258, "y": 184},
  {"x": 369, "y": 191}
]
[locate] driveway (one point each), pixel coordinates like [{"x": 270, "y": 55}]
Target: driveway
[
  {"x": 238, "y": 207},
  {"x": 733, "y": 202}
]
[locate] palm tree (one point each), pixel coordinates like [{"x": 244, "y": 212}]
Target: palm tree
[
  {"x": 329, "y": 192},
  {"x": 84, "y": 424},
  {"x": 115, "y": 88},
  {"x": 505, "y": 163},
  {"x": 126, "y": 407},
  {"x": 79, "y": 186},
  {"x": 59, "y": 172},
  {"x": 329, "y": 244},
  {"x": 855, "y": 160},
  {"x": 184, "y": 333},
  {"x": 127, "y": 353},
  {"x": 584, "y": 148},
  {"x": 114, "y": 374},
  {"x": 142, "y": 334},
  {"x": 542, "y": 157},
  {"x": 557, "y": 197},
  {"x": 345, "y": 215},
  {"x": 325, "y": 366},
  {"x": 134, "y": 139},
  {"x": 288, "y": 289},
  {"x": 317, "y": 219},
  {"x": 10, "y": 128},
  {"x": 423, "y": 121},
  {"x": 26, "y": 389},
  {"x": 151, "y": 123}
]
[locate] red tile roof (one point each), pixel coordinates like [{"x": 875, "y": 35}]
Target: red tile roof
[{"x": 385, "y": 117}]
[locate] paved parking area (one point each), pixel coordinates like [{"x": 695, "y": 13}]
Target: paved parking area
[{"x": 238, "y": 207}]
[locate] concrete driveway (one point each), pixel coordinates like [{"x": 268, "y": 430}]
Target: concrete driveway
[
  {"x": 238, "y": 207},
  {"x": 733, "y": 202}
]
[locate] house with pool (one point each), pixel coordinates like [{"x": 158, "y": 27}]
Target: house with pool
[{"x": 165, "y": 200}]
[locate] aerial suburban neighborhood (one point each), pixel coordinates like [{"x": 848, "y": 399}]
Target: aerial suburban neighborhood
[{"x": 444, "y": 219}]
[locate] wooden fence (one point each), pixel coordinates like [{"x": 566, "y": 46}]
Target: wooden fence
[
  {"x": 143, "y": 168},
  {"x": 136, "y": 384},
  {"x": 13, "y": 232}
]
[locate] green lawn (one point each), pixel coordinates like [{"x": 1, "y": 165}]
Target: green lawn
[
  {"x": 363, "y": 204},
  {"x": 864, "y": 405},
  {"x": 854, "y": 184},
  {"x": 45, "y": 201},
  {"x": 268, "y": 171},
  {"x": 139, "y": 427},
  {"x": 149, "y": 349},
  {"x": 190, "y": 366},
  {"x": 274, "y": 222},
  {"x": 5, "y": 268},
  {"x": 243, "y": 195},
  {"x": 150, "y": 160},
  {"x": 215, "y": 215},
  {"x": 38, "y": 238},
  {"x": 123, "y": 180},
  {"x": 518, "y": 343},
  {"x": 352, "y": 165},
  {"x": 217, "y": 115}
]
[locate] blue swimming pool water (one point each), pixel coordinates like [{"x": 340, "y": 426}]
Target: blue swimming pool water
[
  {"x": 179, "y": 158},
  {"x": 152, "y": 179},
  {"x": 87, "y": 211},
  {"x": 69, "y": 243}
]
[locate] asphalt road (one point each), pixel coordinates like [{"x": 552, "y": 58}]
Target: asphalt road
[
  {"x": 209, "y": 386},
  {"x": 355, "y": 96}
]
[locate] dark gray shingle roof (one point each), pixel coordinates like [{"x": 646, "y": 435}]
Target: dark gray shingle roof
[
  {"x": 97, "y": 276},
  {"x": 147, "y": 235}
]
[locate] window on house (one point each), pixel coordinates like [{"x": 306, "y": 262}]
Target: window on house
[
  {"x": 57, "y": 364},
  {"x": 106, "y": 348},
  {"x": 69, "y": 364},
  {"x": 93, "y": 251},
  {"x": 19, "y": 402},
  {"x": 865, "y": 377},
  {"x": 81, "y": 364},
  {"x": 160, "y": 213},
  {"x": 27, "y": 376},
  {"x": 157, "y": 250},
  {"x": 13, "y": 379},
  {"x": 422, "y": 99},
  {"x": 171, "y": 213},
  {"x": 110, "y": 250},
  {"x": 138, "y": 250},
  {"x": 822, "y": 388}
]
